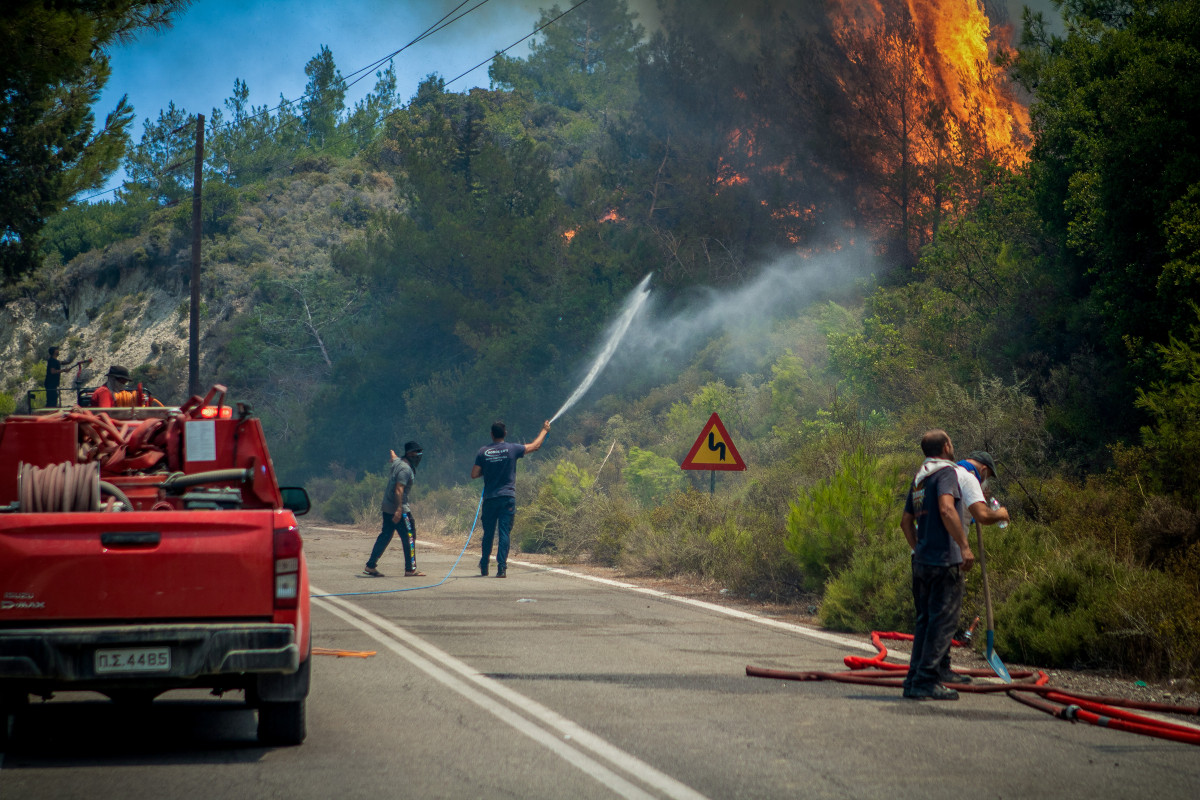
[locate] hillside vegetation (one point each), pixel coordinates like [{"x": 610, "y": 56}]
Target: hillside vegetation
[{"x": 828, "y": 281}]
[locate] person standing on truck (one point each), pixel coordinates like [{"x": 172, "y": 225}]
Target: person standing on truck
[
  {"x": 54, "y": 371},
  {"x": 397, "y": 514},
  {"x": 497, "y": 464},
  {"x": 115, "y": 381}
]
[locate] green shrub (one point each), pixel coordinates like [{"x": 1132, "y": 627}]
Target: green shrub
[
  {"x": 1172, "y": 441},
  {"x": 651, "y": 477},
  {"x": 1057, "y": 617},
  {"x": 676, "y": 539},
  {"x": 549, "y": 519},
  {"x": 749, "y": 557},
  {"x": 830, "y": 520},
  {"x": 354, "y": 502},
  {"x": 7, "y": 404},
  {"x": 874, "y": 592},
  {"x": 601, "y": 527}
]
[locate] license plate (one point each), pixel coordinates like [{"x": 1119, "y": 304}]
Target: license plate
[{"x": 133, "y": 659}]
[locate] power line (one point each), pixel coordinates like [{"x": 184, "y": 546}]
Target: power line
[
  {"x": 496, "y": 55},
  {"x": 536, "y": 31},
  {"x": 362, "y": 72}
]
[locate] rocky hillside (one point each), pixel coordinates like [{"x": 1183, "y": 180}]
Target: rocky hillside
[{"x": 128, "y": 302}]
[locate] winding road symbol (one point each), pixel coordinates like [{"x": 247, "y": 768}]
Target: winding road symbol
[
  {"x": 714, "y": 449},
  {"x": 714, "y": 445}
]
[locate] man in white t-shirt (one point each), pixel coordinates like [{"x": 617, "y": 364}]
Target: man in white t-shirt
[{"x": 972, "y": 471}]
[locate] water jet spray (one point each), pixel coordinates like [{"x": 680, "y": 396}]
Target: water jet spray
[{"x": 630, "y": 310}]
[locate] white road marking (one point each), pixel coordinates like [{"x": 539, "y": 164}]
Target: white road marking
[
  {"x": 439, "y": 665},
  {"x": 812, "y": 633},
  {"x": 832, "y": 638}
]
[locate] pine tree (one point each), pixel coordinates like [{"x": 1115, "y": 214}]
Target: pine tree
[
  {"x": 324, "y": 96},
  {"x": 53, "y": 70}
]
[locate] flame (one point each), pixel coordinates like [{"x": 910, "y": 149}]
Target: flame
[
  {"x": 612, "y": 216},
  {"x": 569, "y": 235},
  {"x": 956, "y": 46}
]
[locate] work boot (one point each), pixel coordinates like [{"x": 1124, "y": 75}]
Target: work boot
[
  {"x": 940, "y": 692},
  {"x": 501, "y": 573},
  {"x": 956, "y": 677}
]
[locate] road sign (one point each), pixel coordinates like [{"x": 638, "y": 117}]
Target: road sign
[{"x": 714, "y": 449}]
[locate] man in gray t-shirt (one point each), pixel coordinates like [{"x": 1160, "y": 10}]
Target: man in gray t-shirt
[{"x": 397, "y": 514}]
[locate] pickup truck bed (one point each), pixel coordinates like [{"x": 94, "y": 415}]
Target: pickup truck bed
[{"x": 190, "y": 574}]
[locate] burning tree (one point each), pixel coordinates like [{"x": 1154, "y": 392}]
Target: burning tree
[{"x": 929, "y": 116}]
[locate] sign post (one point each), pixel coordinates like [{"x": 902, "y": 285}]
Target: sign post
[{"x": 713, "y": 451}]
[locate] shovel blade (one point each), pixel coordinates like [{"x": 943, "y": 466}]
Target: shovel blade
[{"x": 994, "y": 660}]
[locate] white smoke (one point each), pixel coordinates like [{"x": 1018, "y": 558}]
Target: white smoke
[{"x": 664, "y": 337}]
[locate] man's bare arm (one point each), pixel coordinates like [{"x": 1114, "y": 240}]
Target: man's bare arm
[
  {"x": 986, "y": 515},
  {"x": 476, "y": 471},
  {"x": 399, "y": 503},
  {"x": 908, "y": 526},
  {"x": 954, "y": 526},
  {"x": 541, "y": 437}
]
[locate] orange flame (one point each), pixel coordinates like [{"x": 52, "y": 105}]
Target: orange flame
[
  {"x": 957, "y": 44},
  {"x": 568, "y": 235}
]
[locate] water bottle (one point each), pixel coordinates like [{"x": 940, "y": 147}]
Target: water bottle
[{"x": 995, "y": 504}]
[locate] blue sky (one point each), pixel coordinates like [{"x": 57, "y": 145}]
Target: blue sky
[{"x": 267, "y": 43}]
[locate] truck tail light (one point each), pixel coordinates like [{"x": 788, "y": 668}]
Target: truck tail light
[
  {"x": 215, "y": 412},
  {"x": 287, "y": 567}
]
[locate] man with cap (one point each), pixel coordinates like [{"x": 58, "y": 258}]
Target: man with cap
[
  {"x": 942, "y": 498},
  {"x": 980, "y": 464},
  {"x": 116, "y": 380},
  {"x": 397, "y": 515}
]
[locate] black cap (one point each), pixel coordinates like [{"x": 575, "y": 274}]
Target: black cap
[
  {"x": 118, "y": 372},
  {"x": 984, "y": 458},
  {"x": 410, "y": 446}
]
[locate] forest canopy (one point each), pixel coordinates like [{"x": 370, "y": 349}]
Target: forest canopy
[{"x": 864, "y": 219}]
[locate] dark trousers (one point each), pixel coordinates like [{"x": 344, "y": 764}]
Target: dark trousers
[
  {"x": 937, "y": 595},
  {"x": 52, "y": 397},
  {"x": 407, "y": 528},
  {"x": 497, "y": 511}
]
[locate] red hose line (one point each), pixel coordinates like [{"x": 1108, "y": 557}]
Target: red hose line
[
  {"x": 1102, "y": 711},
  {"x": 1116, "y": 713},
  {"x": 1073, "y": 713}
]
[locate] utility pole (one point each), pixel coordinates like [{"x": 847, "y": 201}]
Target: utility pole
[{"x": 194, "y": 327}]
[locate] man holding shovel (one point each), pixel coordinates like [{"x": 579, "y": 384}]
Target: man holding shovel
[{"x": 934, "y": 525}]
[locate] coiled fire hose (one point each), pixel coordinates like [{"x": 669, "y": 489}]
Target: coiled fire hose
[
  {"x": 1102, "y": 711},
  {"x": 65, "y": 487}
]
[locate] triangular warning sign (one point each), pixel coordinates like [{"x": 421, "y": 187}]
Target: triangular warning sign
[{"x": 714, "y": 449}]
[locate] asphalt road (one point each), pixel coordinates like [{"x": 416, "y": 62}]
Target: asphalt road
[{"x": 552, "y": 684}]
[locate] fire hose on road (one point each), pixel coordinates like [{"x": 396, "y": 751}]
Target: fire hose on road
[{"x": 1028, "y": 687}]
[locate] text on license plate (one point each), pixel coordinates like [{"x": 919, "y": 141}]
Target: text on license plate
[{"x": 133, "y": 659}]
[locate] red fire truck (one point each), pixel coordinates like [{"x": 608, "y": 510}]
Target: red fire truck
[{"x": 150, "y": 549}]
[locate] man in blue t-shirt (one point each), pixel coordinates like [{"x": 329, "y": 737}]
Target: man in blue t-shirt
[
  {"x": 933, "y": 526},
  {"x": 497, "y": 464}
]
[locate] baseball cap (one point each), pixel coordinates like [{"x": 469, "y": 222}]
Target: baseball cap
[{"x": 985, "y": 458}]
